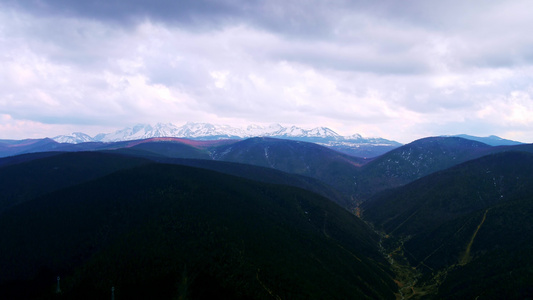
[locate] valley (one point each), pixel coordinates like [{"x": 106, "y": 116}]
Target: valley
[{"x": 266, "y": 218}]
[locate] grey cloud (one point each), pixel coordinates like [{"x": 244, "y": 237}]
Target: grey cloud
[
  {"x": 358, "y": 61},
  {"x": 129, "y": 12},
  {"x": 298, "y": 18},
  {"x": 485, "y": 32},
  {"x": 498, "y": 53}
]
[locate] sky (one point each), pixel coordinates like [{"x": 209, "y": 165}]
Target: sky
[{"x": 400, "y": 70}]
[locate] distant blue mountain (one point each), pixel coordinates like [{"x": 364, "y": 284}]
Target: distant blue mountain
[{"x": 490, "y": 140}]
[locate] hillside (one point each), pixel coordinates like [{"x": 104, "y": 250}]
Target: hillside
[
  {"x": 308, "y": 159},
  {"x": 16, "y": 147},
  {"x": 464, "y": 229},
  {"x": 32, "y": 175},
  {"x": 266, "y": 175},
  {"x": 29, "y": 175},
  {"x": 170, "y": 231},
  {"x": 355, "y": 179},
  {"x": 415, "y": 160}
]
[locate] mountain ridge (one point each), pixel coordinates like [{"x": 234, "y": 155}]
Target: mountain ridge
[
  {"x": 202, "y": 131},
  {"x": 355, "y": 144}
]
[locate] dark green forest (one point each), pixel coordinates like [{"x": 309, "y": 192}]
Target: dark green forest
[
  {"x": 176, "y": 231},
  {"x": 440, "y": 218}
]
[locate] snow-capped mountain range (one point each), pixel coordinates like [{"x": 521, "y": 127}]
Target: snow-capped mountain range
[{"x": 206, "y": 131}]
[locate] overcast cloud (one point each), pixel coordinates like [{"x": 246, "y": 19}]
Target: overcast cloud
[{"x": 397, "y": 69}]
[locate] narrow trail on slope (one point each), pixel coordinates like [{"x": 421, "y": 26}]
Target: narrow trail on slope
[
  {"x": 324, "y": 225},
  {"x": 269, "y": 291},
  {"x": 466, "y": 256}
]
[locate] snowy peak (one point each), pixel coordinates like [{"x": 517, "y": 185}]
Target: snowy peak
[
  {"x": 258, "y": 130},
  {"x": 206, "y": 131},
  {"x": 193, "y": 130},
  {"x": 354, "y": 137},
  {"x": 137, "y": 132},
  {"x": 322, "y": 131},
  {"x": 74, "y": 138}
]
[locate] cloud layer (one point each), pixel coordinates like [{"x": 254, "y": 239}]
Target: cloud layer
[{"x": 400, "y": 70}]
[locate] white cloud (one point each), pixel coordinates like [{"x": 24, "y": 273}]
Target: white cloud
[{"x": 514, "y": 110}]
